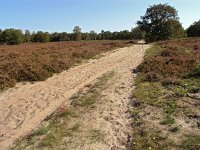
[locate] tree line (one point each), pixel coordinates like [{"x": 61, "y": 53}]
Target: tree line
[
  {"x": 160, "y": 22},
  {"x": 17, "y": 36}
]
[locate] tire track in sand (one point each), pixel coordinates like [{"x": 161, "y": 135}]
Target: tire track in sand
[{"x": 24, "y": 107}]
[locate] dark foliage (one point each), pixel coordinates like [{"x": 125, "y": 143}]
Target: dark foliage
[
  {"x": 194, "y": 30},
  {"x": 161, "y": 23}
]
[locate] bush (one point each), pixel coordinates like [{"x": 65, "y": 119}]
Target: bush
[
  {"x": 170, "y": 81},
  {"x": 6, "y": 81},
  {"x": 40, "y": 36},
  {"x": 152, "y": 77},
  {"x": 197, "y": 69},
  {"x": 12, "y": 36}
]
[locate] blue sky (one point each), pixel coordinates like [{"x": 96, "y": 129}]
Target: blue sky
[{"x": 63, "y": 15}]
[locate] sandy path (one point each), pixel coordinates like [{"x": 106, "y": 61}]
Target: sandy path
[
  {"x": 24, "y": 107},
  {"x": 110, "y": 117}
]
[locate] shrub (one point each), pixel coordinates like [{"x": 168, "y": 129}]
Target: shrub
[
  {"x": 12, "y": 36},
  {"x": 40, "y": 36},
  {"x": 170, "y": 81},
  {"x": 152, "y": 77},
  {"x": 6, "y": 81}
]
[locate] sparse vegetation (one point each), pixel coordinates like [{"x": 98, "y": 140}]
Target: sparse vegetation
[
  {"x": 91, "y": 97},
  {"x": 164, "y": 97},
  {"x": 57, "y": 129}
]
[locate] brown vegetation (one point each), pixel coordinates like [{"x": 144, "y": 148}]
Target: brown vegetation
[
  {"x": 35, "y": 62},
  {"x": 174, "y": 58},
  {"x": 166, "y": 98}
]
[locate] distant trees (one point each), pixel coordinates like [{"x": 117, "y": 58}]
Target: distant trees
[
  {"x": 15, "y": 36},
  {"x": 194, "y": 29},
  {"x": 57, "y": 37},
  {"x": 12, "y": 36},
  {"x": 77, "y": 35},
  {"x": 40, "y": 36},
  {"x": 1, "y": 40},
  {"x": 137, "y": 33},
  {"x": 160, "y": 22},
  {"x": 93, "y": 35},
  {"x": 27, "y": 36}
]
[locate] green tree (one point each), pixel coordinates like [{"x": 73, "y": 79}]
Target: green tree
[
  {"x": 173, "y": 29},
  {"x": 42, "y": 37},
  {"x": 86, "y": 36},
  {"x": 55, "y": 37},
  {"x": 93, "y": 35},
  {"x": 157, "y": 20},
  {"x": 137, "y": 33},
  {"x": 77, "y": 35},
  {"x": 1, "y": 40},
  {"x": 194, "y": 29},
  {"x": 12, "y": 36},
  {"x": 27, "y": 36},
  {"x": 65, "y": 36}
]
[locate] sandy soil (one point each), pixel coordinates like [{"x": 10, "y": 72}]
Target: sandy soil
[
  {"x": 110, "y": 117},
  {"x": 23, "y": 108}
]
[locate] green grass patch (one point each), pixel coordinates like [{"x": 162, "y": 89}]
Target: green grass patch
[
  {"x": 96, "y": 135},
  {"x": 174, "y": 129},
  {"x": 40, "y": 131},
  {"x": 147, "y": 140},
  {"x": 149, "y": 93},
  {"x": 192, "y": 142},
  {"x": 168, "y": 120},
  {"x": 154, "y": 51}
]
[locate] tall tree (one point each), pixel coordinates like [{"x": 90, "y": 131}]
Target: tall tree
[
  {"x": 77, "y": 35},
  {"x": 156, "y": 21}
]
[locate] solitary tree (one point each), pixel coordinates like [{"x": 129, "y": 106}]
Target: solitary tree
[
  {"x": 77, "y": 36},
  {"x": 159, "y": 21},
  {"x": 194, "y": 29}
]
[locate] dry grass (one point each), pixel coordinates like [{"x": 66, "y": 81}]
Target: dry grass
[
  {"x": 38, "y": 61},
  {"x": 173, "y": 58}
]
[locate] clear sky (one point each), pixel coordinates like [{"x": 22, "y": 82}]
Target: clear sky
[{"x": 63, "y": 15}]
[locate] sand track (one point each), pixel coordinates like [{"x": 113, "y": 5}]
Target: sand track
[{"x": 22, "y": 108}]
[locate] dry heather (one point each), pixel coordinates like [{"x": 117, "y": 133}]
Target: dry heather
[
  {"x": 35, "y": 62},
  {"x": 166, "y": 113}
]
